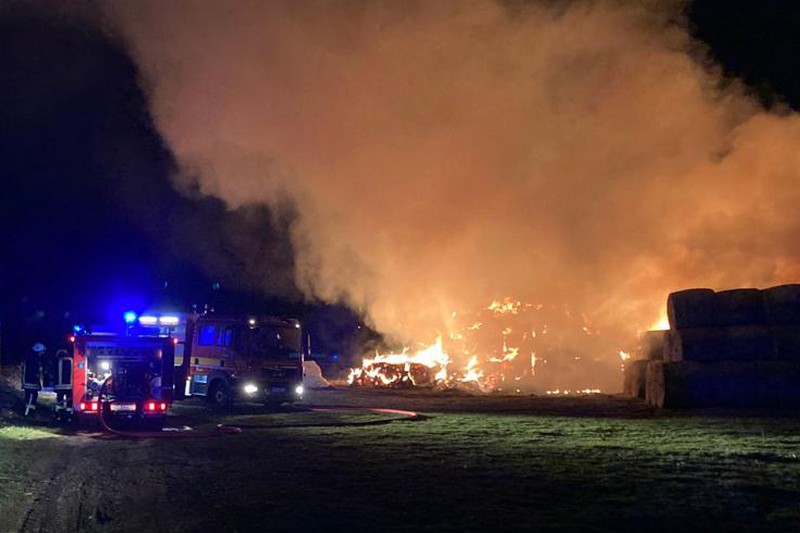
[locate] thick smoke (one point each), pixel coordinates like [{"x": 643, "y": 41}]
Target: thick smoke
[{"x": 441, "y": 155}]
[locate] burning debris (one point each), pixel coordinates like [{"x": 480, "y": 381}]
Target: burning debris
[{"x": 507, "y": 346}]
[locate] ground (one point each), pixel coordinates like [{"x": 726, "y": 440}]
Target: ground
[{"x": 473, "y": 463}]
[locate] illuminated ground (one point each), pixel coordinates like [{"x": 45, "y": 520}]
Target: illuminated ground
[{"x": 475, "y": 463}]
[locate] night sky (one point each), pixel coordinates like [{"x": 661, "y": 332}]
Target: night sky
[{"x": 91, "y": 224}]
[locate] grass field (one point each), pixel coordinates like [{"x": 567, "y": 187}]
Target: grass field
[{"x": 561, "y": 465}]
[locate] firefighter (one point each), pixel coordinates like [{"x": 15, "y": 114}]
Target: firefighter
[{"x": 32, "y": 376}]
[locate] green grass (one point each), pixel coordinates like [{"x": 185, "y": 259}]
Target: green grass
[
  {"x": 451, "y": 471},
  {"x": 477, "y": 472}
]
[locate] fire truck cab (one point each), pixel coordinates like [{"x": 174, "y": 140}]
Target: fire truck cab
[
  {"x": 122, "y": 376},
  {"x": 247, "y": 358}
]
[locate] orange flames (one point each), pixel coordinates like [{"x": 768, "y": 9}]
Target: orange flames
[{"x": 500, "y": 349}]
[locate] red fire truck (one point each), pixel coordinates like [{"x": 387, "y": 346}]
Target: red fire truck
[
  {"x": 126, "y": 377},
  {"x": 136, "y": 372}
]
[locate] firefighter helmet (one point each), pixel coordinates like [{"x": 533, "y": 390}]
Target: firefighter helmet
[{"x": 39, "y": 347}]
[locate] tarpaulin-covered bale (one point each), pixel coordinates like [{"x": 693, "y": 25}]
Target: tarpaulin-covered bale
[
  {"x": 782, "y": 305},
  {"x": 635, "y": 379},
  {"x": 787, "y": 343},
  {"x": 741, "y": 307},
  {"x": 651, "y": 345},
  {"x": 724, "y": 384},
  {"x": 692, "y": 308},
  {"x": 743, "y": 343}
]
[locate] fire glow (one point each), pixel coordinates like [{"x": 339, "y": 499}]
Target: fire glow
[
  {"x": 500, "y": 349},
  {"x": 587, "y": 155}
]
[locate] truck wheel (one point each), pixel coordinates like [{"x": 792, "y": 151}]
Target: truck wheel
[{"x": 218, "y": 394}]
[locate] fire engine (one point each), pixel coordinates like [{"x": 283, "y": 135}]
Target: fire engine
[
  {"x": 223, "y": 358},
  {"x": 126, "y": 377},
  {"x": 135, "y": 373}
]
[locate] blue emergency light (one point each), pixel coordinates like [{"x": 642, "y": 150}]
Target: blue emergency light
[{"x": 130, "y": 317}]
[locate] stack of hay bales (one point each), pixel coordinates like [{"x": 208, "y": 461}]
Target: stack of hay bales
[
  {"x": 735, "y": 348},
  {"x": 651, "y": 348}
]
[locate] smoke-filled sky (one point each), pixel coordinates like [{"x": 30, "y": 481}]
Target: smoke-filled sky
[{"x": 440, "y": 155}]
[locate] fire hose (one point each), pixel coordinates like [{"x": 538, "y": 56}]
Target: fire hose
[
  {"x": 224, "y": 429},
  {"x": 219, "y": 430}
]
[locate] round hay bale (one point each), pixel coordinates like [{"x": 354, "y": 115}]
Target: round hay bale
[
  {"x": 692, "y": 308},
  {"x": 741, "y": 307},
  {"x": 787, "y": 343},
  {"x": 635, "y": 382},
  {"x": 651, "y": 345},
  {"x": 697, "y": 344},
  {"x": 783, "y": 305},
  {"x": 741, "y": 343},
  {"x": 746, "y": 384},
  {"x": 654, "y": 384}
]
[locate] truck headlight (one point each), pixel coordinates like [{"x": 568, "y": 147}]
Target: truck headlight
[
  {"x": 299, "y": 390},
  {"x": 250, "y": 389}
]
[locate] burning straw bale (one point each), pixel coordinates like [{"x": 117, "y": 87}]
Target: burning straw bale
[
  {"x": 392, "y": 375},
  {"x": 723, "y": 384}
]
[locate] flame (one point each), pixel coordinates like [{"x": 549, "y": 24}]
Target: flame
[
  {"x": 507, "y": 306},
  {"x": 401, "y": 368},
  {"x": 567, "y": 392},
  {"x": 482, "y": 352},
  {"x": 662, "y": 323}
]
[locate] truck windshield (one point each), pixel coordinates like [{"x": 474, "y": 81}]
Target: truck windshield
[{"x": 270, "y": 342}]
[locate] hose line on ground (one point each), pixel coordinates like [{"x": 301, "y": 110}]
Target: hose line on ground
[{"x": 223, "y": 429}]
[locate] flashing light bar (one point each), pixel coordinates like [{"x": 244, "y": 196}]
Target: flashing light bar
[
  {"x": 164, "y": 320},
  {"x": 129, "y": 317}
]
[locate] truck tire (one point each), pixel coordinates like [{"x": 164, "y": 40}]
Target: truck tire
[{"x": 218, "y": 393}]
